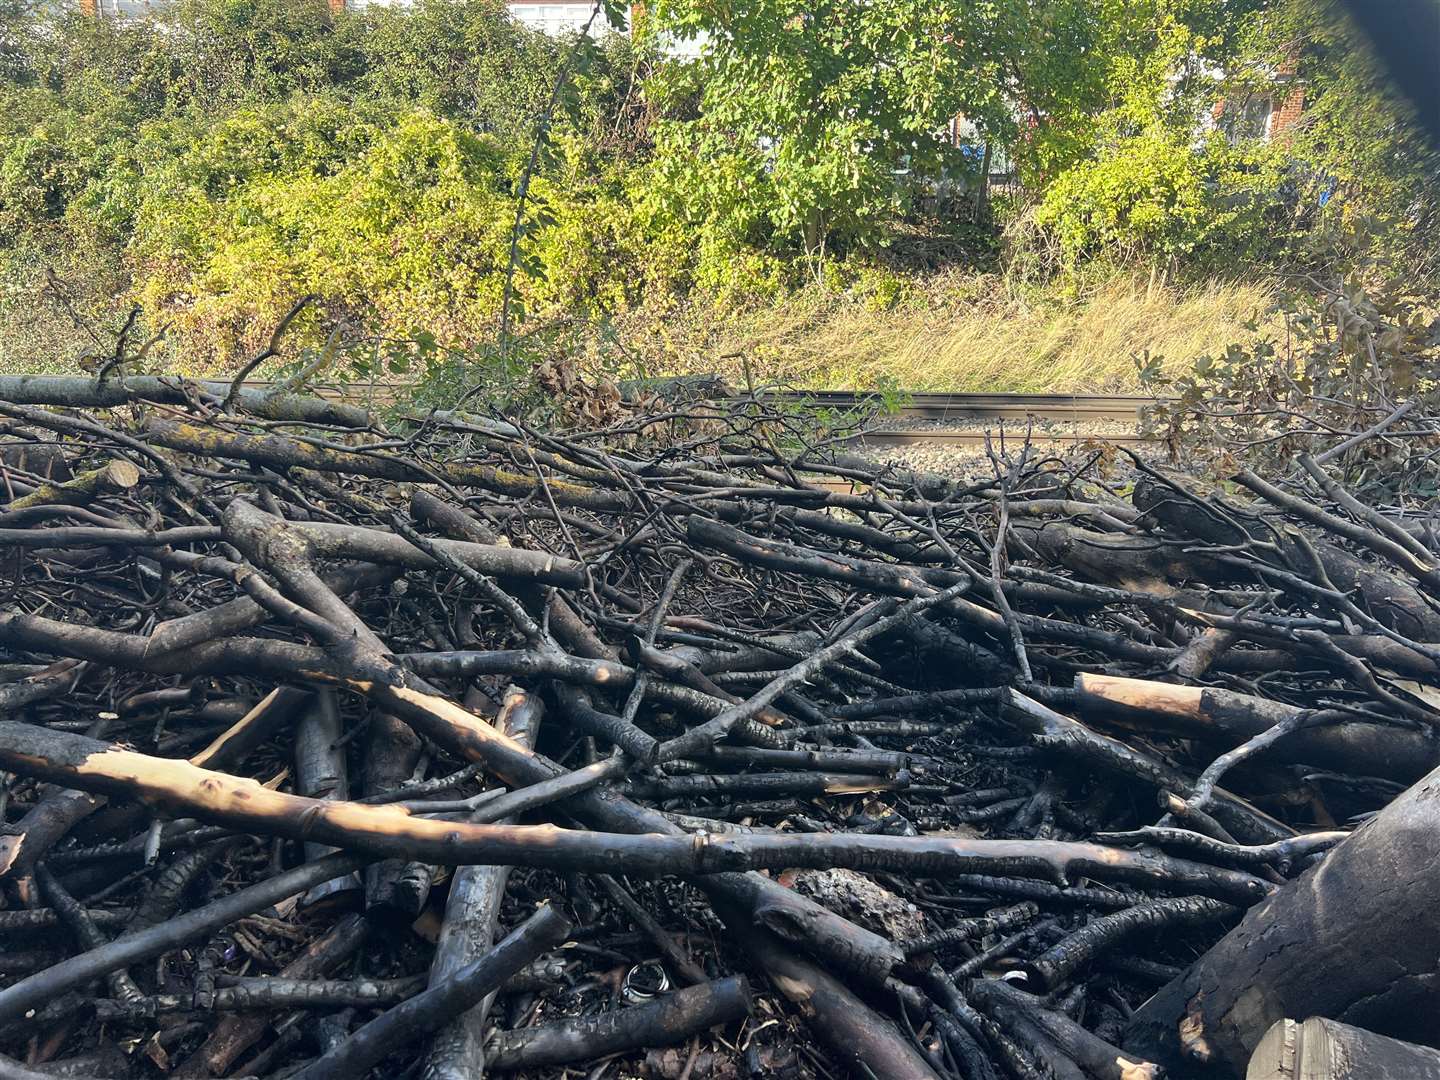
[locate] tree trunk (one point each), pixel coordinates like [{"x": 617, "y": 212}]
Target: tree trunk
[
  {"x": 1229, "y": 717},
  {"x": 1356, "y": 939}
]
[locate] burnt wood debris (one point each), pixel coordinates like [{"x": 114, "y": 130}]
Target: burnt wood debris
[{"x": 693, "y": 745}]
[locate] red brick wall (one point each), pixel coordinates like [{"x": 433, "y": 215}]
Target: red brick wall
[
  {"x": 1288, "y": 94},
  {"x": 1287, "y": 110}
]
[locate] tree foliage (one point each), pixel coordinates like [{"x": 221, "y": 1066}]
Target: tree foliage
[
  {"x": 1363, "y": 176},
  {"x": 220, "y": 158},
  {"x": 809, "y": 111},
  {"x": 235, "y": 154}
]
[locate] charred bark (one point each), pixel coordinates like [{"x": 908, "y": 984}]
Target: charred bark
[{"x": 1301, "y": 952}]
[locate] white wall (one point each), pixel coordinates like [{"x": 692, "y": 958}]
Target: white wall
[
  {"x": 128, "y": 8},
  {"x": 561, "y": 18}
]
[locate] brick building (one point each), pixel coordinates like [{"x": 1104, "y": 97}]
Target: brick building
[{"x": 1265, "y": 114}]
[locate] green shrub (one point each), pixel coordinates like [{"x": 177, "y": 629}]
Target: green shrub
[
  {"x": 393, "y": 220},
  {"x": 1156, "y": 195},
  {"x": 232, "y": 155}
]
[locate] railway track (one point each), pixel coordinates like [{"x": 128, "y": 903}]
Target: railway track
[
  {"x": 977, "y": 438},
  {"x": 957, "y": 420},
  {"x": 971, "y": 408},
  {"x": 931, "y": 419}
]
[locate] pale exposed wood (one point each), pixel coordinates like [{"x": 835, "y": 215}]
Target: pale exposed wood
[
  {"x": 1321, "y": 1049},
  {"x": 115, "y": 475},
  {"x": 1229, "y": 717},
  {"x": 1143, "y": 693}
]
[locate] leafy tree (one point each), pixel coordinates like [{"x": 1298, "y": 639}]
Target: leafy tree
[
  {"x": 465, "y": 59},
  {"x": 1084, "y": 75},
  {"x": 808, "y": 111}
]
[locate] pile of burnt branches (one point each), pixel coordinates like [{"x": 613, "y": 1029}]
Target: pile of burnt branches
[{"x": 687, "y": 748}]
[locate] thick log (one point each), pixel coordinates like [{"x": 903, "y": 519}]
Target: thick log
[
  {"x": 1355, "y": 939},
  {"x": 27, "y": 448},
  {"x": 275, "y": 542},
  {"x": 1144, "y": 564},
  {"x": 163, "y": 898},
  {"x": 116, "y": 475},
  {"x": 395, "y": 889},
  {"x": 392, "y": 831},
  {"x": 1392, "y": 544},
  {"x": 1391, "y": 598},
  {"x": 1229, "y": 717},
  {"x": 80, "y": 392},
  {"x": 240, "y": 655},
  {"x": 321, "y": 773},
  {"x": 523, "y": 663},
  {"x": 837, "y": 943},
  {"x": 1321, "y": 1049},
  {"x": 103, "y": 536},
  {"x": 279, "y": 452},
  {"x": 472, "y": 916}
]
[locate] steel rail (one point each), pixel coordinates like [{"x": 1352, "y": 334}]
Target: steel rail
[
  {"x": 971, "y": 410},
  {"x": 1123, "y": 408},
  {"x": 924, "y": 437}
]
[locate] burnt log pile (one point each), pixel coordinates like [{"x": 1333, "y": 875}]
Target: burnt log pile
[{"x": 690, "y": 747}]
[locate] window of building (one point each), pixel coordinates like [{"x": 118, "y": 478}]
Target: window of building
[{"x": 1247, "y": 119}]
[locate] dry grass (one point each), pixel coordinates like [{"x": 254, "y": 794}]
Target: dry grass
[
  {"x": 950, "y": 331},
  {"x": 978, "y": 343}
]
